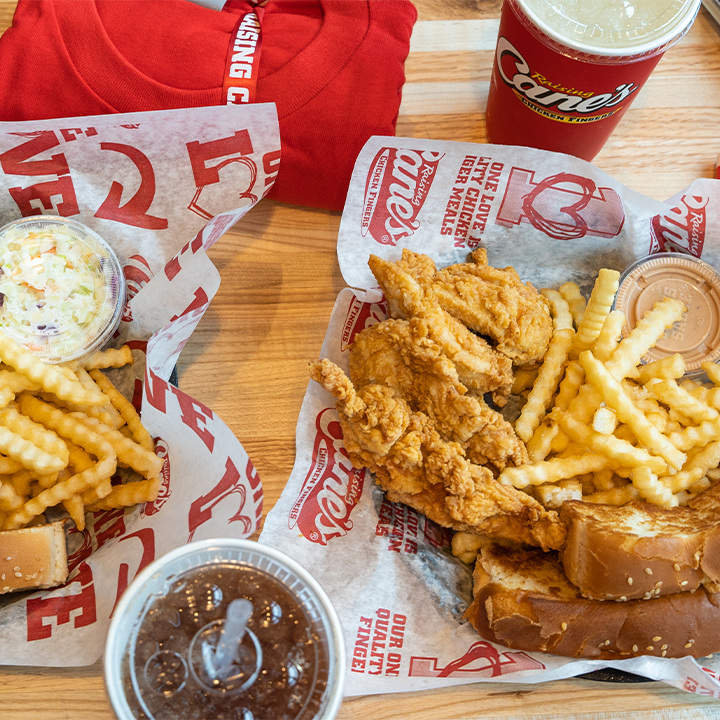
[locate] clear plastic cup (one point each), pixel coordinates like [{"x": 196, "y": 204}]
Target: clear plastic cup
[
  {"x": 167, "y": 632},
  {"x": 62, "y": 288},
  {"x": 562, "y": 79}
]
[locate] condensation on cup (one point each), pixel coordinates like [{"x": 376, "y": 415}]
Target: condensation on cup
[
  {"x": 566, "y": 71},
  {"x": 224, "y": 628}
]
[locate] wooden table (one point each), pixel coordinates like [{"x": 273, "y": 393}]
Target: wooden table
[{"x": 280, "y": 277}]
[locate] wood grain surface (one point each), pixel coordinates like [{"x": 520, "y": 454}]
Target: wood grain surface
[{"x": 247, "y": 359}]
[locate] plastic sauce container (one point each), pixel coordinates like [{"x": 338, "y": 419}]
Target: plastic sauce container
[
  {"x": 62, "y": 290},
  {"x": 697, "y": 335},
  {"x": 172, "y": 651}
]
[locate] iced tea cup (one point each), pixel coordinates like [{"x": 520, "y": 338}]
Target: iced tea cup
[
  {"x": 228, "y": 629},
  {"x": 566, "y": 72}
]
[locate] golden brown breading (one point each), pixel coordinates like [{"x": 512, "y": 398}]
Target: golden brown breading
[
  {"x": 402, "y": 355},
  {"x": 414, "y": 465},
  {"x": 479, "y": 367},
  {"x": 491, "y": 301}
]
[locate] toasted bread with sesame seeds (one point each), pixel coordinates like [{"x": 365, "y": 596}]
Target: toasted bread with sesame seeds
[
  {"x": 640, "y": 550},
  {"x": 33, "y": 557},
  {"x": 523, "y": 600}
]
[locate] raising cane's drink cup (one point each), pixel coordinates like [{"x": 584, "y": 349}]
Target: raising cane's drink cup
[
  {"x": 224, "y": 629},
  {"x": 566, "y": 71}
]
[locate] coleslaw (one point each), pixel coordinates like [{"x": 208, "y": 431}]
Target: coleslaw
[{"x": 61, "y": 287}]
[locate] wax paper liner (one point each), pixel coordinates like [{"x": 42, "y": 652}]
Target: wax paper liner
[
  {"x": 161, "y": 188},
  {"x": 398, "y": 591}
]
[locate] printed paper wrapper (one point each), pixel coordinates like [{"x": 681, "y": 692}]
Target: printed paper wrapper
[
  {"x": 160, "y": 188},
  {"x": 398, "y": 591}
]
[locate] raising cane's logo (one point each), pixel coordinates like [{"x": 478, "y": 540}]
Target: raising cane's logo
[
  {"x": 567, "y": 107},
  {"x": 397, "y": 185},
  {"x": 481, "y": 660},
  {"x": 360, "y": 315},
  {"x": 162, "y": 451},
  {"x": 332, "y": 487},
  {"x": 681, "y": 229}
]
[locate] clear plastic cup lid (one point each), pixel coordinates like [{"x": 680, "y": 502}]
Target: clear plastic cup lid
[
  {"x": 613, "y": 26},
  {"x": 225, "y": 628},
  {"x": 697, "y": 335},
  {"x": 62, "y": 290}
]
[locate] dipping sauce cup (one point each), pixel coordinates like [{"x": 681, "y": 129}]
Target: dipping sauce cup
[
  {"x": 62, "y": 288},
  {"x": 182, "y": 647},
  {"x": 694, "y": 282},
  {"x": 566, "y": 71}
]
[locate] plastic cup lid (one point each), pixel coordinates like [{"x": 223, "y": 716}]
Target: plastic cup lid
[
  {"x": 184, "y": 660},
  {"x": 697, "y": 336},
  {"x": 62, "y": 288},
  {"x": 613, "y": 27}
]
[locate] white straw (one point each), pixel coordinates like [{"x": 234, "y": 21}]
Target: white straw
[{"x": 236, "y": 620}]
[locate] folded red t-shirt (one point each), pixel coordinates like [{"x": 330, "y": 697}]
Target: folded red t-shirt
[{"x": 334, "y": 69}]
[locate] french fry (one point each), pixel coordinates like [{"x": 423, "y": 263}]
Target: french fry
[
  {"x": 6, "y": 396},
  {"x": 28, "y": 454},
  {"x": 79, "y": 459},
  {"x": 49, "y": 377},
  {"x": 552, "y": 495},
  {"x": 35, "y": 433},
  {"x": 17, "y": 382},
  {"x": 644, "y": 335},
  {"x": 559, "y": 308},
  {"x": 540, "y": 443},
  {"x": 524, "y": 379},
  {"x": 76, "y": 509},
  {"x": 695, "y": 468},
  {"x": 101, "y": 413},
  {"x": 97, "y": 492},
  {"x": 614, "y": 449},
  {"x": 545, "y": 385},
  {"x": 569, "y": 385},
  {"x": 107, "y": 412},
  {"x": 132, "y": 493},
  {"x": 74, "y": 430},
  {"x": 672, "y": 366},
  {"x": 551, "y": 471},
  {"x": 606, "y": 480},
  {"x": 614, "y": 496},
  {"x": 651, "y": 489},
  {"x": 575, "y": 300},
  {"x": 48, "y": 454},
  {"x": 679, "y": 399},
  {"x": 110, "y": 358},
  {"x": 604, "y": 421},
  {"x": 126, "y": 410},
  {"x": 597, "y": 309},
  {"x": 614, "y": 395},
  {"x": 22, "y": 481},
  {"x": 712, "y": 370},
  {"x": 8, "y": 465},
  {"x": 10, "y": 499},
  {"x": 609, "y": 336},
  {"x": 147, "y": 463}
]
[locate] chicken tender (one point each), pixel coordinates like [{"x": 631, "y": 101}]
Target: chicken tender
[
  {"x": 479, "y": 366},
  {"x": 491, "y": 301},
  {"x": 415, "y": 466},
  {"x": 402, "y": 355}
]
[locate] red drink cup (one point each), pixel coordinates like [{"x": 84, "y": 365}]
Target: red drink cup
[{"x": 562, "y": 83}]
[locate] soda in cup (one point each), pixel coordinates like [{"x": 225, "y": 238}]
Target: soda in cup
[
  {"x": 566, "y": 71},
  {"x": 224, "y": 628}
]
